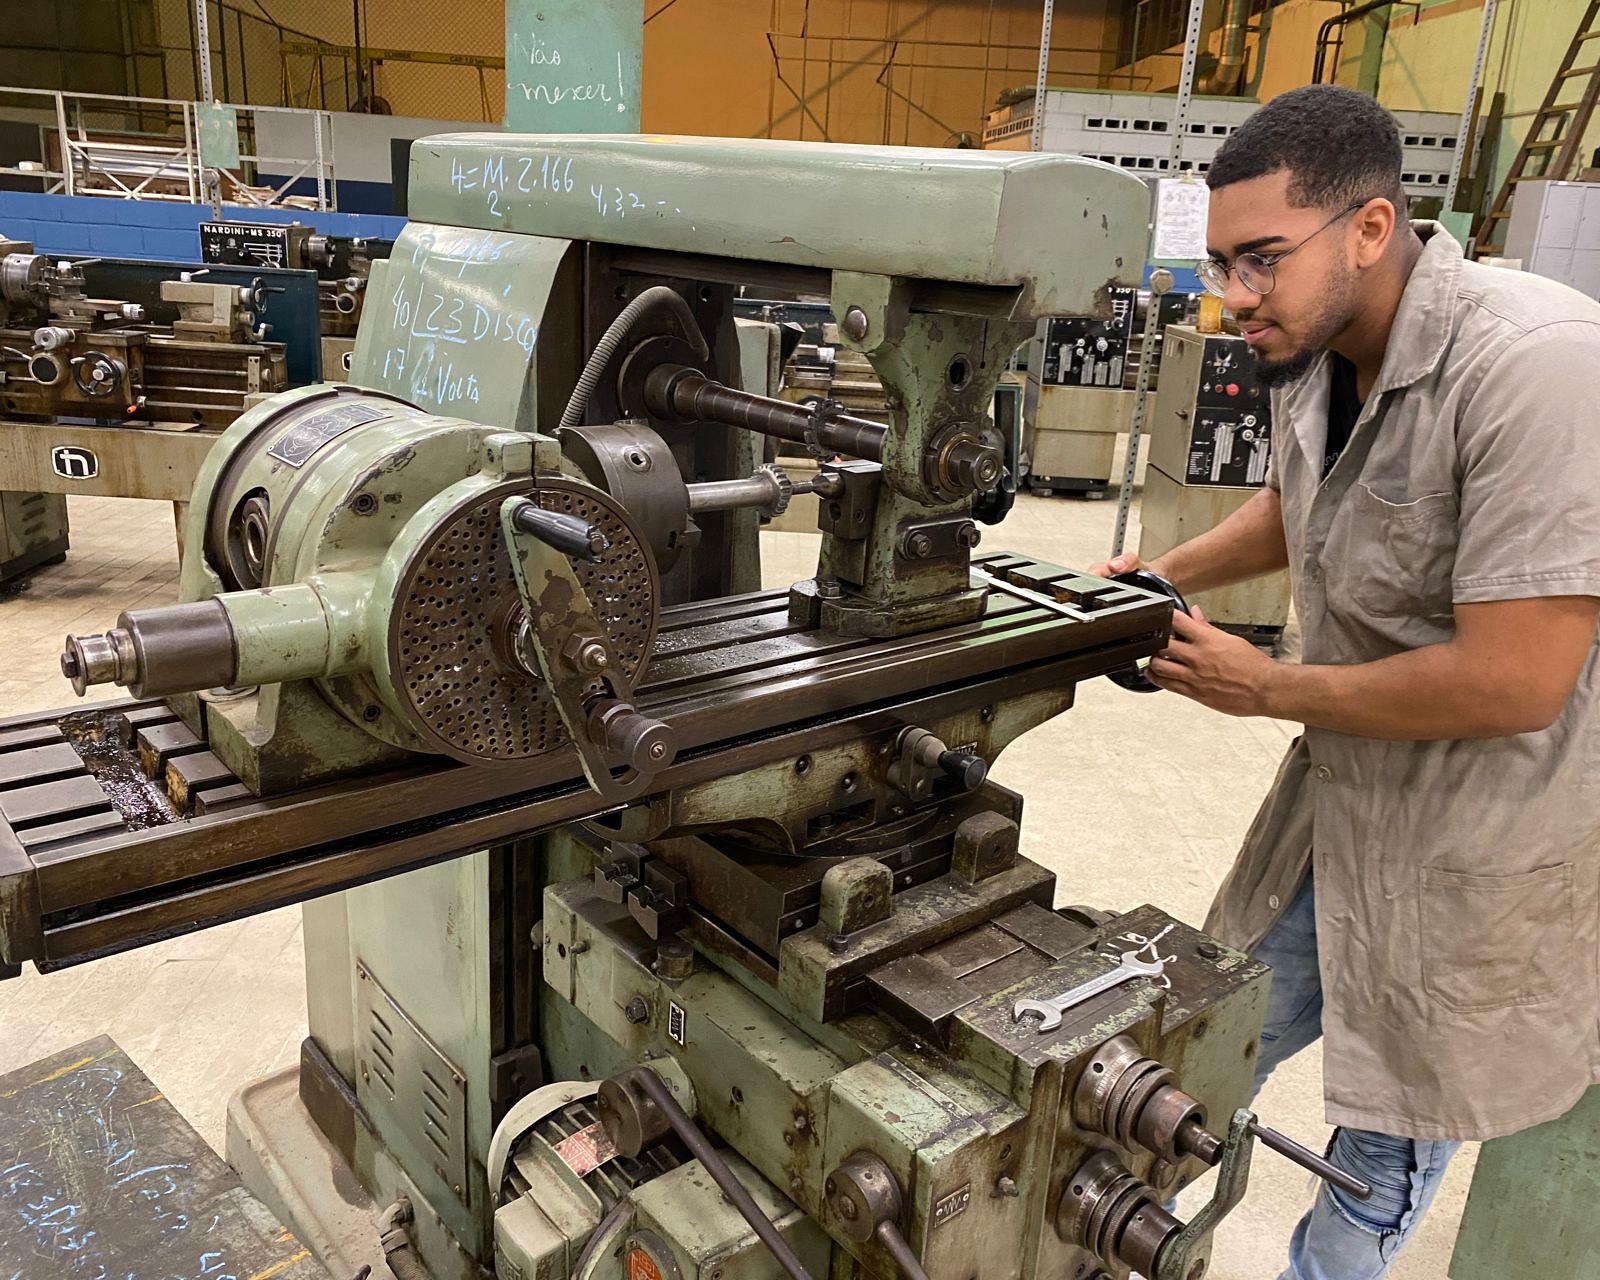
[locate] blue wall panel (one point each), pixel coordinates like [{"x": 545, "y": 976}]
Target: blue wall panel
[{"x": 151, "y": 228}]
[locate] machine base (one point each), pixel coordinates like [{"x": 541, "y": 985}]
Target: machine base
[
  {"x": 33, "y": 532},
  {"x": 287, "y": 1163},
  {"x": 1072, "y": 486}
]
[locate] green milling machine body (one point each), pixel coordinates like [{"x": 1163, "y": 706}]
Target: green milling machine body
[{"x": 791, "y": 939}]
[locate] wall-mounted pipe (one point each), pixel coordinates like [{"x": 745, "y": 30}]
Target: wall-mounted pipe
[
  {"x": 1326, "y": 30},
  {"x": 1230, "y": 66}
]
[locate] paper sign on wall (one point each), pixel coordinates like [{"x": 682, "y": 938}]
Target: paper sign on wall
[{"x": 1180, "y": 234}]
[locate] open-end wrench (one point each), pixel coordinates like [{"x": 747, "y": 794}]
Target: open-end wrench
[{"x": 1049, "y": 1011}]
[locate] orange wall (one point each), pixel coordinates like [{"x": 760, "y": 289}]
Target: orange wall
[{"x": 914, "y": 72}]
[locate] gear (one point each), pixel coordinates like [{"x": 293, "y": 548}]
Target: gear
[{"x": 784, "y": 491}]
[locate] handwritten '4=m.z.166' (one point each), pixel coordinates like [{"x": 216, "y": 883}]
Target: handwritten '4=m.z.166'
[{"x": 546, "y": 175}]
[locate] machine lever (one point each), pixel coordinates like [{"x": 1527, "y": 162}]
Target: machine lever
[
  {"x": 655, "y": 1091},
  {"x": 866, "y": 1199},
  {"x": 1310, "y": 1161},
  {"x": 567, "y": 534},
  {"x": 966, "y": 767}
]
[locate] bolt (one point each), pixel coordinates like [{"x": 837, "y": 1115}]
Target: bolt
[
  {"x": 578, "y": 948},
  {"x": 802, "y": 1122},
  {"x": 921, "y": 545},
  {"x": 69, "y": 665},
  {"x": 797, "y": 1185},
  {"x": 829, "y": 589},
  {"x": 591, "y": 658},
  {"x": 854, "y": 326},
  {"x": 1006, "y": 1187},
  {"x": 838, "y": 943},
  {"x": 638, "y": 1010},
  {"x": 847, "y": 1208},
  {"x": 658, "y": 750},
  {"x": 968, "y": 536},
  {"x": 1209, "y": 950}
]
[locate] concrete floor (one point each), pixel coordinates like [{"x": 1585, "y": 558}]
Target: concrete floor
[{"x": 1130, "y": 799}]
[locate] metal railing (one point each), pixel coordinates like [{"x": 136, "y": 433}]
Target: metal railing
[{"x": 165, "y": 163}]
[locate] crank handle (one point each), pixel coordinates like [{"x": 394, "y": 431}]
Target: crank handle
[{"x": 1194, "y": 1138}]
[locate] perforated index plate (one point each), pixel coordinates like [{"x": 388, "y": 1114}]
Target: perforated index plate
[{"x": 457, "y": 601}]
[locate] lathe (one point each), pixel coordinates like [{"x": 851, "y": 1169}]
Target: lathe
[
  {"x": 64, "y": 354},
  {"x": 715, "y": 957}
]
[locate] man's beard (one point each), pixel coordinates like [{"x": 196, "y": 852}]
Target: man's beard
[
  {"x": 1338, "y": 310},
  {"x": 1280, "y": 373}
]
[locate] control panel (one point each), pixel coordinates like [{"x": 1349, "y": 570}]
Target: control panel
[
  {"x": 1089, "y": 351},
  {"x": 1230, "y": 428}
]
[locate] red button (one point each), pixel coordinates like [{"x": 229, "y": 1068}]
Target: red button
[{"x": 1233, "y": 388}]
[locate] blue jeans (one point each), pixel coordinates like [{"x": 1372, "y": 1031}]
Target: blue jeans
[{"x": 1340, "y": 1237}]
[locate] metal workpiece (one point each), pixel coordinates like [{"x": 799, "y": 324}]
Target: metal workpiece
[
  {"x": 767, "y": 490},
  {"x": 157, "y": 652},
  {"x": 232, "y": 640}
]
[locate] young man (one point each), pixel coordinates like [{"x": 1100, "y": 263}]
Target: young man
[{"x": 1424, "y": 877}]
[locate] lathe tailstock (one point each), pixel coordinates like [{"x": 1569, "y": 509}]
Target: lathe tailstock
[{"x": 716, "y": 957}]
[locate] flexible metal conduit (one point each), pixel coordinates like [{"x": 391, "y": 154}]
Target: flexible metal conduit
[{"x": 657, "y": 296}]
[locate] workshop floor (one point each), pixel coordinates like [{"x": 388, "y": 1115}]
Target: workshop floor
[{"x": 1129, "y": 800}]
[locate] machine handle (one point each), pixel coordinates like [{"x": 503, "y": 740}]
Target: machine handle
[
  {"x": 1133, "y": 678},
  {"x": 967, "y": 768},
  {"x": 655, "y": 1091},
  {"x": 567, "y": 534},
  {"x": 1309, "y": 1160}
]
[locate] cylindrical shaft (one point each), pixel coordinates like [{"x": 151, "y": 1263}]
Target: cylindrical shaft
[
  {"x": 298, "y": 631},
  {"x": 1310, "y": 1160},
  {"x": 899, "y": 1251},
  {"x": 698, "y": 398},
  {"x": 709, "y": 1157},
  {"x": 759, "y": 490}
]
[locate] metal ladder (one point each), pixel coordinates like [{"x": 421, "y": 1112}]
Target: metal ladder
[{"x": 1557, "y": 150}]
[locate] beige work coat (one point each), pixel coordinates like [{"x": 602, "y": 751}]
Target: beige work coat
[{"x": 1457, "y": 883}]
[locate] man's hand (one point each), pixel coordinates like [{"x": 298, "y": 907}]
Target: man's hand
[
  {"x": 1217, "y": 670},
  {"x": 1127, "y": 562}
]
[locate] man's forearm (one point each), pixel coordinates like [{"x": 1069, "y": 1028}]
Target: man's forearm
[
  {"x": 1248, "y": 544},
  {"x": 1423, "y": 695}
]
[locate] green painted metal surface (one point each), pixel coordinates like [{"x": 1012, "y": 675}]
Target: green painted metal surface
[
  {"x": 573, "y": 66},
  {"x": 453, "y": 319},
  {"x": 972, "y": 217},
  {"x": 1531, "y": 1208},
  {"x": 218, "y": 127}
]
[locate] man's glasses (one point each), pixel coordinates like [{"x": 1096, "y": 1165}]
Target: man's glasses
[{"x": 1255, "y": 269}]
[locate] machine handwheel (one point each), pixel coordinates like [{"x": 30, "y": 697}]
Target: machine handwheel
[{"x": 1134, "y": 678}]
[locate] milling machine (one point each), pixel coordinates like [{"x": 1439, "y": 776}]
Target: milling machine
[{"x": 715, "y": 957}]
